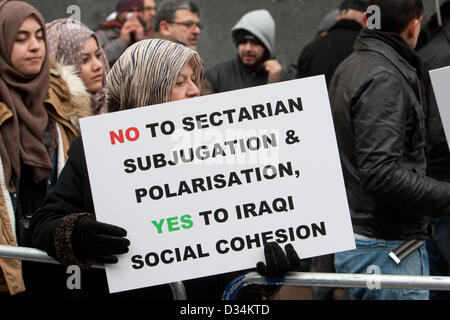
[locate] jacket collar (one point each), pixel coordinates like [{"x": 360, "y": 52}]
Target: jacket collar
[
  {"x": 67, "y": 97},
  {"x": 261, "y": 71},
  {"x": 346, "y": 24},
  {"x": 394, "y": 48},
  {"x": 5, "y": 113}
]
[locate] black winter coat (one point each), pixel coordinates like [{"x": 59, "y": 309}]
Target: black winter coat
[
  {"x": 324, "y": 55},
  {"x": 380, "y": 127},
  {"x": 233, "y": 75},
  {"x": 72, "y": 195},
  {"x": 436, "y": 54}
]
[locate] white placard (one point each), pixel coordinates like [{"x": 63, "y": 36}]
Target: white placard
[
  {"x": 440, "y": 79},
  {"x": 266, "y": 167}
]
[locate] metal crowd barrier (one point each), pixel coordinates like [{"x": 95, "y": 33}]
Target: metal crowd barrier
[
  {"x": 340, "y": 280},
  {"x": 35, "y": 255},
  {"x": 302, "y": 279}
]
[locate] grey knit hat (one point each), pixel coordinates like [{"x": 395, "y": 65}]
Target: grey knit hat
[{"x": 329, "y": 20}]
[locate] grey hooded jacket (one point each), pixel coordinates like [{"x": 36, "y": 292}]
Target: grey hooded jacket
[
  {"x": 233, "y": 75},
  {"x": 261, "y": 24}
]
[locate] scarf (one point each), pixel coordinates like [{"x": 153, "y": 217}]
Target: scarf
[
  {"x": 21, "y": 135},
  {"x": 66, "y": 39},
  {"x": 146, "y": 73},
  {"x": 399, "y": 44}
]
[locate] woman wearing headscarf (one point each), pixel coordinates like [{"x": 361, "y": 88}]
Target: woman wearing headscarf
[
  {"x": 73, "y": 45},
  {"x": 149, "y": 72},
  {"x": 38, "y": 117}
]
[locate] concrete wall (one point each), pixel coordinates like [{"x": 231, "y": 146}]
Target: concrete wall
[{"x": 296, "y": 21}]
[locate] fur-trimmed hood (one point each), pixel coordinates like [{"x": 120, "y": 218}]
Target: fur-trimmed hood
[{"x": 71, "y": 91}]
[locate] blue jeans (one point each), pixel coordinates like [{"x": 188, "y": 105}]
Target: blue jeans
[
  {"x": 439, "y": 252},
  {"x": 372, "y": 256},
  {"x": 439, "y": 246}
]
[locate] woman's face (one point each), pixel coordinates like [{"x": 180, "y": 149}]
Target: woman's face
[
  {"x": 28, "y": 50},
  {"x": 92, "y": 67},
  {"x": 185, "y": 86}
]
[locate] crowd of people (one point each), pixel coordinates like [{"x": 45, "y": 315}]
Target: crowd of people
[{"x": 394, "y": 153}]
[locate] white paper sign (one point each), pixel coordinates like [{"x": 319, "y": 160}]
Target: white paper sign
[
  {"x": 201, "y": 184},
  {"x": 440, "y": 79}
]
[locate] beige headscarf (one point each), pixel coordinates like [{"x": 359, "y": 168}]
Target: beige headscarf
[
  {"x": 146, "y": 73},
  {"x": 21, "y": 135}
]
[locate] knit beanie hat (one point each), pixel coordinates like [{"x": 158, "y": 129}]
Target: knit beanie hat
[
  {"x": 242, "y": 35},
  {"x": 360, "y": 5},
  {"x": 123, "y": 5}
]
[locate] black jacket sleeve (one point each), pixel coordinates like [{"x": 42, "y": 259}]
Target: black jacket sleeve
[{"x": 67, "y": 201}]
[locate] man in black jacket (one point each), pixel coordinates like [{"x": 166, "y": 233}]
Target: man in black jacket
[
  {"x": 436, "y": 54},
  {"x": 325, "y": 54},
  {"x": 376, "y": 99}
]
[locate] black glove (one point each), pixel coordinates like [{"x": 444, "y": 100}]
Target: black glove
[
  {"x": 97, "y": 241},
  {"x": 278, "y": 263}
]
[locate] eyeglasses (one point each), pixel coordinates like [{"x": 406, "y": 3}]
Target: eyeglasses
[
  {"x": 149, "y": 8},
  {"x": 189, "y": 24}
]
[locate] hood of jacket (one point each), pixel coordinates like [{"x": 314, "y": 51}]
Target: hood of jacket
[
  {"x": 261, "y": 24},
  {"x": 68, "y": 88}
]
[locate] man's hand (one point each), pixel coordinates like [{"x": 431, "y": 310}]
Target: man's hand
[
  {"x": 273, "y": 67},
  {"x": 132, "y": 26}
]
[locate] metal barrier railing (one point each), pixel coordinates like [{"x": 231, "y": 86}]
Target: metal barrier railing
[
  {"x": 340, "y": 280},
  {"x": 302, "y": 279},
  {"x": 36, "y": 255}
]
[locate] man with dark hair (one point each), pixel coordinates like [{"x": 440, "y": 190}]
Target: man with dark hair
[
  {"x": 324, "y": 55},
  {"x": 178, "y": 20},
  {"x": 254, "y": 36},
  {"x": 117, "y": 35},
  {"x": 435, "y": 55},
  {"x": 378, "y": 110}
]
